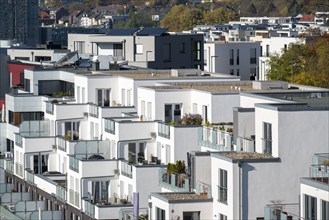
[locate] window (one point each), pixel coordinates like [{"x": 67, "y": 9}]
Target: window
[
  {"x": 325, "y": 210},
  {"x": 123, "y": 97},
  {"x": 231, "y": 57},
  {"x": 191, "y": 215},
  {"x": 72, "y": 130},
  {"x": 103, "y": 97},
  {"x": 267, "y": 50},
  {"x": 139, "y": 48},
  {"x": 196, "y": 50},
  {"x": 172, "y": 112},
  {"x": 252, "y": 73},
  {"x": 109, "y": 126},
  {"x": 222, "y": 189},
  {"x": 166, "y": 52},
  {"x": 231, "y": 71},
  {"x": 117, "y": 51},
  {"x": 237, "y": 57},
  {"x": 27, "y": 85},
  {"x": 160, "y": 214},
  {"x": 129, "y": 97},
  {"x": 83, "y": 95},
  {"x": 222, "y": 217},
  {"x": 252, "y": 55},
  {"x": 267, "y": 138},
  {"x": 310, "y": 207},
  {"x": 237, "y": 72}
]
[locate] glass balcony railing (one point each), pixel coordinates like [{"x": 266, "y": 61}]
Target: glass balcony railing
[
  {"x": 18, "y": 140},
  {"x": 245, "y": 145},
  {"x": 215, "y": 139},
  {"x": 164, "y": 130},
  {"x": 126, "y": 169},
  {"x": 203, "y": 189},
  {"x": 50, "y": 108},
  {"x": 9, "y": 166},
  {"x": 174, "y": 182},
  {"x": 74, "y": 164},
  {"x": 61, "y": 143},
  {"x": 61, "y": 193},
  {"x": 89, "y": 208},
  {"x": 93, "y": 111},
  {"x": 29, "y": 176}
]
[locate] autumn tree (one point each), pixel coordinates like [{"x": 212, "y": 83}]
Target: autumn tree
[
  {"x": 220, "y": 16},
  {"x": 181, "y": 18},
  {"x": 302, "y": 64}
]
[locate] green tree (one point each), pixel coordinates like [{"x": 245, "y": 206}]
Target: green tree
[
  {"x": 181, "y": 18},
  {"x": 303, "y": 63},
  {"x": 219, "y": 16},
  {"x": 54, "y": 3}
]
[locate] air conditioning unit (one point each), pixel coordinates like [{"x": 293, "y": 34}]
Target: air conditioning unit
[{"x": 153, "y": 134}]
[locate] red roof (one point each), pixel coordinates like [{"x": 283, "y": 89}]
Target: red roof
[{"x": 307, "y": 18}]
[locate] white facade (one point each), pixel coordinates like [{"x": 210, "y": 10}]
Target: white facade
[{"x": 233, "y": 58}]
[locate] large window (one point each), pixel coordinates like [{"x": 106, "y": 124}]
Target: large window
[
  {"x": 160, "y": 214},
  {"x": 72, "y": 130},
  {"x": 222, "y": 217},
  {"x": 231, "y": 56},
  {"x": 103, "y": 97},
  {"x": 267, "y": 138},
  {"x": 222, "y": 189},
  {"x": 191, "y": 215},
  {"x": 172, "y": 112},
  {"x": 16, "y": 118},
  {"x": 310, "y": 207}
]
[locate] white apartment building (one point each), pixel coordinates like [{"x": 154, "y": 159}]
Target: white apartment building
[{"x": 233, "y": 58}]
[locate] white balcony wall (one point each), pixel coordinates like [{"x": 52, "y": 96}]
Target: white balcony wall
[
  {"x": 3, "y": 135},
  {"x": 137, "y": 130},
  {"x": 69, "y": 111},
  {"x": 44, "y": 185},
  {"x": 88, "y": 168},
  {"x": 24, "y": 103},
  {"x": 107, "y": 212},
  {"x": 40, "y": 144},
  {"x": 11, "y": 130}
]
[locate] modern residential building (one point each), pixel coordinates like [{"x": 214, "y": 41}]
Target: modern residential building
[
  {"x": 143, "y": 47},
  {"x": 19, "y": 21},
  {"x": 233, "y": 58}
]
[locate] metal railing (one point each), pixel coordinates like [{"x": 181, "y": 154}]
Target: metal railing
[
  {"x": 203, "y": 189},
  {"x": 215, "y": 139},
  {"x": 164, "y": 130}
]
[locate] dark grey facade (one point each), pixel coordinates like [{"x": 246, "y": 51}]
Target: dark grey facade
[{"x": 19, "y": 21}]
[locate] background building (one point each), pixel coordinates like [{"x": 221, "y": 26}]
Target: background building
[{"x": 19, "y": 21}]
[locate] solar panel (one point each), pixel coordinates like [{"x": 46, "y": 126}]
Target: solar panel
[
  {"x": 151, "y": 31},
  {"x": 122, "y": 32}
]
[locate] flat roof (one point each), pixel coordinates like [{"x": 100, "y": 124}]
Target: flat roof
[{"x": 246, "y": 155}]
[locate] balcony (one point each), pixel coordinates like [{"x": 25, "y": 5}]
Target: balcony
[
  {"x": 319, "y": 169},
  {"x": 203, "y": 189},
  {"x": 215, "y": 139},
  {"x": 61, "y": 193},
  {"x": 281, "y": 211},
  {"x": 164, "y": 130},
  {"x": 34, "y": 128},
  {"x": 74, "y": 164},
  {"x": 105, "y": 209},
  {"x": 174, "y": 182},
  {"x": 29, "y": 176},
  {"x": 245, "y": 145}
]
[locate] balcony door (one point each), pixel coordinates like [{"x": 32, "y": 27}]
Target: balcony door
[{"x": 173, "y": 112}]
